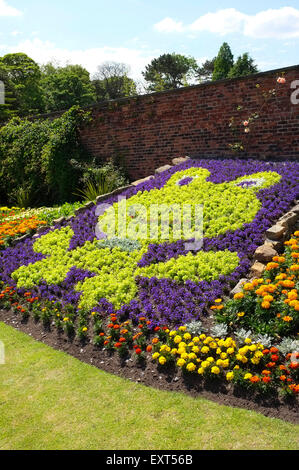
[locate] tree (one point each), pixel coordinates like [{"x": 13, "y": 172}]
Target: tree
[
  {"x": 64, "y": 87},
  {"x": 223, "y": 62},
  {"x": 8, "y": 108},
  {"x": 169, "y": 71},
  {"x": 205, "y": 72},
  {"x": 23, "y": 76},
  {"x": 244, "y": 65},
  {"x": 112, "y": 82}
]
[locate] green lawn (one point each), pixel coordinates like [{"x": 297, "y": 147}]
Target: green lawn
[{"x": 49, "y": 400}]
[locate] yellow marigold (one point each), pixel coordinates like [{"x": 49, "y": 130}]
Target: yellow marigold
[
  {"x": 268, "y": 298},
  {"x": 223, "y": 355},
  {"x": 294, "y": 267},
  {"x": 187, "y": 336},
  {"x": 266, "y": 304},
  {"x": 230, "y": 350},
  {"x": 241, "y": 314},
  {"x": 205, "y": 349},
  {"x": 162, "y": 360},
  {"x": 205, "y": 364},
  {"x": 229, "y": 376},
  {"x": 247, "y": 341},
  {"x": 208, "y": 340},
  {"x": 200, "y": 370},
  {"x": 217, "y": 301},
  {"x": 195, "y": 349},
  {"x": 191, "y": 367},
  {"x": 192, "y": 355},
  {"x": 182, "y": 328},
  {"x": 174, "y": 351},
  {"x": 155, "y": 355},
  {"x": 181, "y": 362},
  {"x": 195, "y": 339},
  {"x": 177, "y": 339},
  {"x": 293, "y": 295},
  {"x": 247, "y": 376},
  {"x": 238, "y": 295},
  {"x": 215, "y": 370},
  {"x": 225, "y": 363},
  {"x": 248, "y": 286}
]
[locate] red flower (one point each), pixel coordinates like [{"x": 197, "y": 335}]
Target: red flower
[
  {"x": 157, "y": 328},
  {"x": 266, "y": 351},
  {"x": 274, "y": 357},
  {"x": 273, "y": 350},
  {"x": 138, "y": 351},
  {"x": 270, "y": 364},
  {"x": 149, "y": 348},
  {"x": 266, "y": 380}
]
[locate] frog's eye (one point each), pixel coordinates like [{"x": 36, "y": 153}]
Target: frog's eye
[
  {"x": 186, "y": 180},
  {"x": 251, "y": 182}
]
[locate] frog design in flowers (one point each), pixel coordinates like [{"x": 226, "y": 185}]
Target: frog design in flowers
[{"x": 226, "y": 206}]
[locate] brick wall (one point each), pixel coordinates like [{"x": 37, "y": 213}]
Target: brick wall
[{"x": 150, "y": 130}]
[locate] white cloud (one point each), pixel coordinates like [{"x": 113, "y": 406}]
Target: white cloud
[
  {"x": 222, "y": 22},
  {"x": 6, "y": 10},
  {"x": 168, "y": 25},
  {"x": 46, "y": 51},
  {"x": 281, "y": 23}
]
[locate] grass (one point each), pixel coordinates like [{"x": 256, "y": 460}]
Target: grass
[{"x": 50, "y": 400}]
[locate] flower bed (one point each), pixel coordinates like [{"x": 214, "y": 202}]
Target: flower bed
[
  {"x": 153, "y": 299},
  {"x": 16, "y": 222},
  {"x": 161, "y": 280}
]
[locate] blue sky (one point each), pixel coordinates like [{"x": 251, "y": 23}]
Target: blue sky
[{"x": 135, "y": 31}]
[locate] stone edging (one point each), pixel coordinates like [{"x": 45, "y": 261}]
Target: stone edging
[{"x": 273, "y": 244}]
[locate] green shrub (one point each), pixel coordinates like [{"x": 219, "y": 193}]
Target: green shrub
[{"x": 37, "y": 158}]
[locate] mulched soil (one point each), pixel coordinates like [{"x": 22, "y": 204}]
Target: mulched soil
[{"x": 149, "y": 374}]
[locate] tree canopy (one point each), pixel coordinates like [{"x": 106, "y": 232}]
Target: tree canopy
[
  {"x": 112, "y": 82},
  {"x": 223, "y": 62},
  {"x": 169, "y": 71}
]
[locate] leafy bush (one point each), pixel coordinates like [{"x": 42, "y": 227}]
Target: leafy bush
[{"x": 36, "y": 158}]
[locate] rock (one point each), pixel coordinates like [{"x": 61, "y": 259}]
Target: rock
[
  {"x": 296, "y": 209},
  {"x": 238, "y": 287},
  {"x": 58, "y": 221},
  {"x": 80, "y": 210},
  {"x": 102, "y": 197},
  {"x": 289, "y": 219},
  {"x": 264, "y": 253},
  {"x": 177, "y": 161},
  {"x": 257, "y": 270},
  {"x": 277, "y": 245},
  {"x": 42, "y": 229},
  {"x": 162, "y": 168},
  {"x": 143, "y": 180},
  {"x": 276, "y": 232},
  {"x": 89, "y": 205}
]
